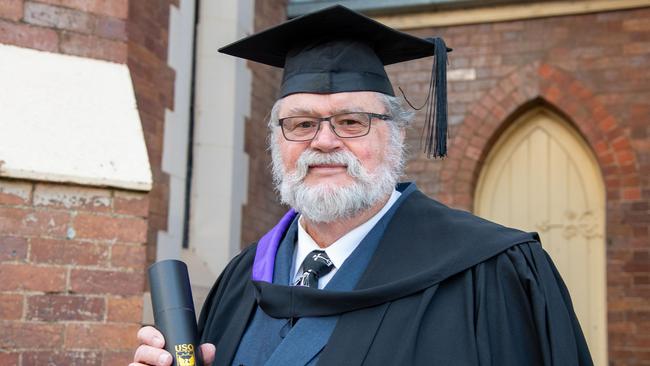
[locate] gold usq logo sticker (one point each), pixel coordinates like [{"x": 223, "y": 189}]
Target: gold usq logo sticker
[{"x": 184, "y": 354}]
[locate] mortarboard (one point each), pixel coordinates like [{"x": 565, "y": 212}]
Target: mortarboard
[{"x": 337, "y": 50}]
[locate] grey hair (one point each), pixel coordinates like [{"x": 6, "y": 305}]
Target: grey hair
[{"x": 402, "y": 116}]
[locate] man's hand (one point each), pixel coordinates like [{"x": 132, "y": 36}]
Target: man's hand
[{"x": 151, "y": 352}]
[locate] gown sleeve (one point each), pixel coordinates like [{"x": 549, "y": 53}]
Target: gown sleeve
[
  {"x": 217, "y": 292},
  {"x": 524, "y": 314}
]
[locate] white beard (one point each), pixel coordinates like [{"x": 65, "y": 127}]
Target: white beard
[{"x": 330, "y": 202}]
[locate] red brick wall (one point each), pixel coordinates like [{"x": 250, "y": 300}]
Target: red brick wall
[
  {"x": 153, "y": 79},
  {"x": 262, "y": 210},
  {"x": 71, "y": 263},
  {"x": 62, "y": 295},
  {"x": 94, "y": 29},
  {"x": 591, "y": 68},
  {"x": 130, "y": 32}
]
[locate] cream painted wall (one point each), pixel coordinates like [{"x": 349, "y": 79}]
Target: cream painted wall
[
  {"x": 222, "y": 102},
  {"x": 223, "y": 89},
  {"x": 176, "y": 136}
]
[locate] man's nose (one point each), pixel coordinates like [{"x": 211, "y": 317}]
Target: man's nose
[{"x": 325, "y": 139}]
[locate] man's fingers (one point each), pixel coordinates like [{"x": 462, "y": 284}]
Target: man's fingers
[
  {"x": 208, "y": 350},
  {"x": 149, "y": 355},
  {"x": 150, "y": 351},
  {"x": 151, "y": 336}
]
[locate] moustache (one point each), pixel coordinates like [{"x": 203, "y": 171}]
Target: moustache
[{"x": 311, "y": 157}]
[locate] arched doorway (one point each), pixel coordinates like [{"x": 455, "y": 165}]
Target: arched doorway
[{"x": 541, "y": 176}]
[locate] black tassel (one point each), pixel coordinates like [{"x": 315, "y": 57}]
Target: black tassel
[
  {"x": 440, "y": 94},
  {"x": 435, "y": 120}
]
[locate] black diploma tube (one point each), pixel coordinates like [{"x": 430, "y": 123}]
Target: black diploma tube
[{"x": 173, "y": 311}]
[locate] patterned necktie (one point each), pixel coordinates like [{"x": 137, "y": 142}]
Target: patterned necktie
[{"x": 315, "y": 265}]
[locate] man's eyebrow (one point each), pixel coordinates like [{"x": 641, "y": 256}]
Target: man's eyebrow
[{"x": 300, "y": 111}]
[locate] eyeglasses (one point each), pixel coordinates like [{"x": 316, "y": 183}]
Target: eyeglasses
[{"x": 344, "y": 125}]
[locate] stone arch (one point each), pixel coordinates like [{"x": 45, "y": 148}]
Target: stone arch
[{"x": 534, "y": 84}]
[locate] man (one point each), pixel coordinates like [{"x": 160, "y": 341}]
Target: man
[{"x": 361, "y": 270}]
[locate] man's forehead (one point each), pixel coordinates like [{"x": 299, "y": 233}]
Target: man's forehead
[{"x": 333, "y": 103}]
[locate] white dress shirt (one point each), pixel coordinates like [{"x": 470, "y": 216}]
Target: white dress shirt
[{"x": 340, "y": 250}]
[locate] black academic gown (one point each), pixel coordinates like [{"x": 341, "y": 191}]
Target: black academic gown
[{"x": 444, "y": 287}]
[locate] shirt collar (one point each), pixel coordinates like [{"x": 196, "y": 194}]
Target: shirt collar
[{"x": 341, "y": 249}]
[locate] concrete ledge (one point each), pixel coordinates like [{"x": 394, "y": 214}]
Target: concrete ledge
[{"x": 70, "y": 119}]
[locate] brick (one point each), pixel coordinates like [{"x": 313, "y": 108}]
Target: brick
[
  {"x": 125, "y": 310},
  {"x": 75, "y": 20},
  {"x": 19, "y": 335},
  {"x": 135, "y": 204},
  {"x": 614, "y": 279},
  {"x": 93, "y": 47},
  {"x": 621, "y": 143},
  {"x": 498, "y": 112},
  {"x": 107, "y": 282},
  {"x": 101, "y": 336},
  {"x": 608, "y": 124},
  {"x": 76, "y": 358},
  {"x": 640, "y": 316},
  {"x": 628, "y": 168},
  {"x": 546, "y": 71},
  {"x": 52, "y": 251},
  {"x": 479, "y": 112},
  {"x": 11, "y": 9},
  {"x": 625, "y": 157},
  {"x": 12, "y": 249},
  {"x": 158, "y": 199},
  {"x": 14, "y": 192},
  {"x": 114, "y": 8},
  {"x": 488, "y": 102},
  {"x": 9, "y": 358},
  {"x": 607, "y": 159},
  {"x": 553, "y": 94},
  {"x": 621, "y": 327},
  {"x": 103, "y": 227},
  {"x": 472, "y": 153},
  {"x": 57, "y": 17},
  {"x": 24, "y": 35},
  {"x": 52, "y": 307},
  {"x": 110, "y": 28},
  {"x": 636, "y": 48},
  {"x": 111, "y": 358},
  {"x": 19, "y": 221},
  {"x": 18, "y": 277},
  {"x": 72, "y": 197},
  {"x": 636, "y": 266},
  {"x": 129, "y": 256},
  {"x": 11, "y": 307},
  {"x": 636, "y": 25},
  {"x": 642, "y": 280},
  {"x": 632, "y": 181}
]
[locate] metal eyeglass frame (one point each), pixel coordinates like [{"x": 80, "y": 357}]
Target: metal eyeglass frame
[{"x": 383, "y": 117}]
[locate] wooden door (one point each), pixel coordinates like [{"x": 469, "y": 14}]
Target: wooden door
[{"x": 541, "y": 176}]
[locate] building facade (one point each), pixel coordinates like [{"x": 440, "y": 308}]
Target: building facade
[{"x": 550, "y": 132}]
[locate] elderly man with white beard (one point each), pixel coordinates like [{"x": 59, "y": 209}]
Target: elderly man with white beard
[
  {"x": 338, "y": 183},
  {"x": 363, "y": 270}
]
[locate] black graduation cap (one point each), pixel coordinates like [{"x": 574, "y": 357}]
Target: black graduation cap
[{"x": 339, "y": 50}]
